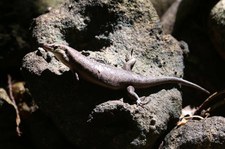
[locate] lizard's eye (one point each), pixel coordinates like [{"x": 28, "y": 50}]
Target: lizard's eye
[
  {"x": 66, "y": 52},
  {"x": 55, "y": 47}
]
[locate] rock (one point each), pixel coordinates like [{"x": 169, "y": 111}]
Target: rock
[
  {"x": 207, "y": 133},
  {"x": 15, "y": 33},
  {"x": 45, "y": 5},
  {"x": 169, "y": 17},
  {"x": 216, "y": 27},
  {"x": 105, "y": 31},
  {"x": 203, "y": 64},
  {"x": 43, "y": 133},
  {"x": 188, "y": 13},
  {"x": 161, "y": 6},
  {"x": 138, "y": 127}
]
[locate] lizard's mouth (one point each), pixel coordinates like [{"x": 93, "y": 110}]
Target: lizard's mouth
[
  {"x": 46, "y": 47},
  {"x": 59, "y": 52}
]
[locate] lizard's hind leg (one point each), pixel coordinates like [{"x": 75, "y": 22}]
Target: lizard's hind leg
[{"x": 133, "y": 95}]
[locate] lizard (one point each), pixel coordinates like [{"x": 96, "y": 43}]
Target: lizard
[{"x": 109, "y": 76}]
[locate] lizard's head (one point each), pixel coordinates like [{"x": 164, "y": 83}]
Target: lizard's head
[{"x": 58, "y": 50}]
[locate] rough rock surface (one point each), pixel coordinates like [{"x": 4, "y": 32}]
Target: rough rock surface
[
  {"x": 89, "y": 115},
  {"x": 44, "y": 134},
  {"x": 142, "y": 126},
  {"x": 207, "y": 133},
  {"x": 169, "y": 17},
  {"x": 217, "y": 27},
  {"x": 162, "y": 5}
]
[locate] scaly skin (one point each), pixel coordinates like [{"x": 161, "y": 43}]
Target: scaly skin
[{"x": 109, "y": 76}]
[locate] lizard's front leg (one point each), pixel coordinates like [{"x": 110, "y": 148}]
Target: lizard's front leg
[{"x": 129, "y": 62}]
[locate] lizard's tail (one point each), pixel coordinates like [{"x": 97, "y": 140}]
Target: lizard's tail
[
  {"x": 175, "y": 80},
  {"x": 193, "y": 85}
]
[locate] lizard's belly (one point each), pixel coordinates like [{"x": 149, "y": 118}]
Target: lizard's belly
[{"x": 109, "y": 77}]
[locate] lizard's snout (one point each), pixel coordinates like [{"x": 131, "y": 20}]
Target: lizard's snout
[{"x": 46, "y": 46}]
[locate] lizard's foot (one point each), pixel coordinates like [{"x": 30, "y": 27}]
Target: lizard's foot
[
  {"x": 129, "y": 62},
  {"x": 141, "y": 101},
  {"x": 133, "y": 95}
]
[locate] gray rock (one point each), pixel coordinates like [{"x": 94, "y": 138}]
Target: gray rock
[
  {"x": 203, "y": 64},
  {"x": 169, "y": 17},
  {"x": 202, "y": 134},
  {"x": 162, "y": 5},
  {"x": 122, "y": 125},
  {"x": 43, "y": 134},
  {"x": 105, "y": 31},
  {"x": 217, "y": 27}
]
